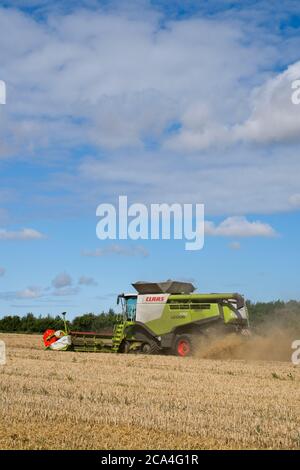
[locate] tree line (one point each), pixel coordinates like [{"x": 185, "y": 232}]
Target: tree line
[
  {"x": 262, "y": 315},
  {"x": 279, "y": 314},
  {"x": 32, "y": 324}
]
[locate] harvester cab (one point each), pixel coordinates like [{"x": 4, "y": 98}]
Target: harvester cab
[{"x": 128, "y": 304}]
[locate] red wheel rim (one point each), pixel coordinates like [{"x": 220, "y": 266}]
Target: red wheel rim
[{"x": 183, "y": 348}]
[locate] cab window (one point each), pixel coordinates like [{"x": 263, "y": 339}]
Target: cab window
[{"x": 131, "y": 308}]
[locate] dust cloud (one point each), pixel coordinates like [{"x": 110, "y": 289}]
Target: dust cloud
[{"x": 273, "y": 344}]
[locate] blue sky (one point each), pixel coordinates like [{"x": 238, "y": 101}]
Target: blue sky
[{"x": 177, "y": 102}]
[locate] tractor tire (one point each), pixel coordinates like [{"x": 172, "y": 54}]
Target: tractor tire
[
  {"x": 183, "y": 346},
  {"x": 124, "y": 347},
  {"x": 150, "y": 347}
]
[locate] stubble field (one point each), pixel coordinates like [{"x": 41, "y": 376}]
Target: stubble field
[{"x": 65, "y": 400}]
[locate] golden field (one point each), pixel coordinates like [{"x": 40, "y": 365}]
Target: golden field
[{"x": 66, "y": 400}]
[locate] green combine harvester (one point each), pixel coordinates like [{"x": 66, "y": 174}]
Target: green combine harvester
[{"x": 164, "y": 317}]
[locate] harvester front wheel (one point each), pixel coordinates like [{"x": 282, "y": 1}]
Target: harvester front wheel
[{"x": 183, "y": 346}]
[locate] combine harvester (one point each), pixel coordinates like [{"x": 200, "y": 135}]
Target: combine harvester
[{"x": 161, "y": 317}]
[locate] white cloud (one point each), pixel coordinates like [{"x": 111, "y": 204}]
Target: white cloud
[
  {"x": 115, "y": 80},
  {"x": 233, "y": 181},
  {"x": 61, "y": 289},
  {"x": 235, "y": 245},
  {"x": 29, "y": 293},
  {"x": 24, "y": 234},
  {"x": 294, "y": 200},
  {"x": 128, "y": 118},
  {"x": 239, "y": 227},
  {"x": 32, "y": 292},
  {"x": 62, "y": 280},
  {"x": 87, "y": 281},
  {"x": 116, "y": 249},
  {"x": 62, "y": 284},
  {"x": 65, "y": 291},
  {"x": 118, "y": 81},
  {"x": 2, "y": 271},
  {"x": 274, "y": 118},
  {"x": 200, "y": 130}
]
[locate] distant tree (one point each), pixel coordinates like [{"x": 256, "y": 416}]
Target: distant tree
[
  {"x": 11, "y": 323},
  {"x": 84, "y": 322}
]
